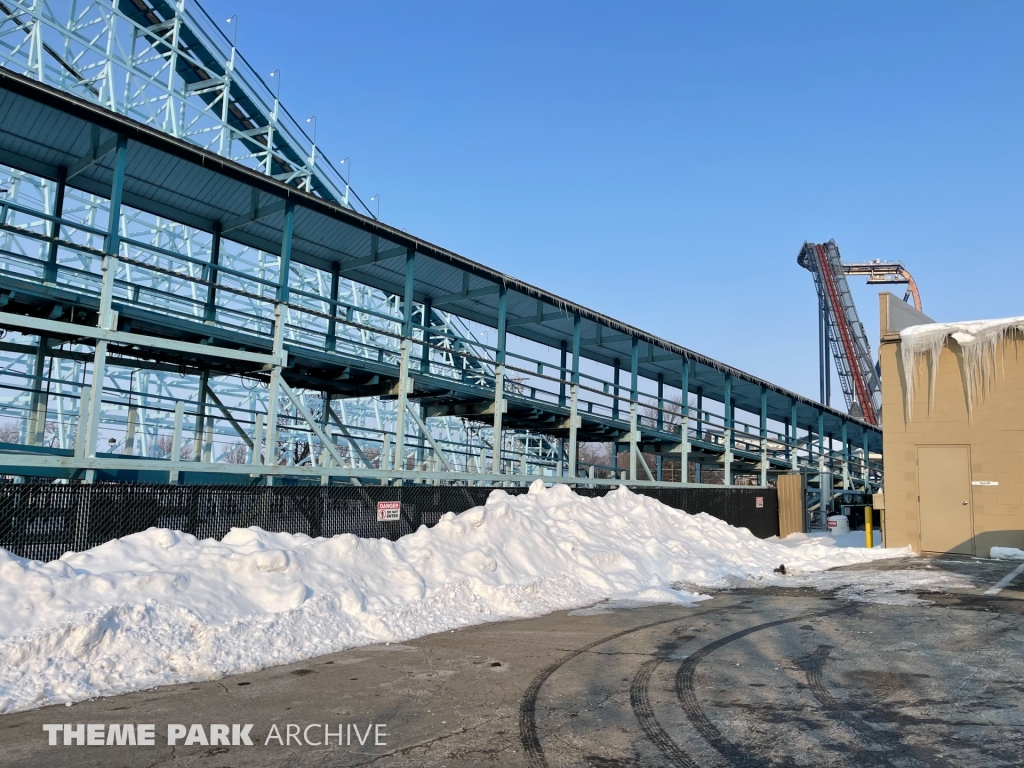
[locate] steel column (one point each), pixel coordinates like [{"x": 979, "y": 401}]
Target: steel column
[
  {"x": 700, "y": 413},
  {"x": 499, "y": 380},
  {"x": 179, "y": 417},
  {"x": 661, "y": 402},
  {"x": 795, "y": 444},
  {"x": 210, "y": 310},
  {"x": 822, "y": 347},
  {"x": 107, "y": 317},
  {"x": 283, "y": 284},
  {"x": 407, "y": 298},
  {"x": 660, "y": 421},
  {"x": 129, "y": 439},
  {"x": 846, "y": 459},
  {"x": 274, "y": 393},
  {"x": 574, "y": 392},
  {"x": 827, "y": 356},
  {"x": 684, "y": 426},
  {"x": 82, "y": 429},
  {"x": 573, "y": 420},
  {"x": 50, "y": 271},
  {"x": 727, "y": 432},
  {"x": 404, "y": 385},
  {"x": 331, "y": 343},
  {"x": 38, "y": 402},
  {"x": 764, "y": 436},
  {"x": 404, "y": 382},
  {"x": 615, "y": 389},
  {"x": 563, "y": 347},
  {"x": 821, "y": 466},
  {"x": 634, "y": 395},
  {"x": 428, "y": 319},
  {"x": 867, "y": 482},
  {"x": 200, "y": 441}
]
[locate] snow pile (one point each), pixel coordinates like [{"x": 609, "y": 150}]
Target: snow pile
[
  {"x": 1006, "y": 553},
  {"x": 980, "y": 343},
  {"x": 163, "y": 607}
]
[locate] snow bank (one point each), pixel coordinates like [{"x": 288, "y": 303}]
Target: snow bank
[
  {"x": 979, "y": 340},
  {"x": 162, "y": 607},
  {"x": 1006, "y": 553}
]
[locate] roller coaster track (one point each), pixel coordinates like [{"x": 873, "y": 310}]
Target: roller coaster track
[{"x": 848, "y": 341}]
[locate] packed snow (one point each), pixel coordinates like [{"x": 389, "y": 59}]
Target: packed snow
[
  {"x": 1006, "y": 553},
  {"x": 980, "y": 343},
  {"x": 162, "y": 607}
]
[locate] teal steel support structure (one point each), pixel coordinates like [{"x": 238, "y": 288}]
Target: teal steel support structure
[
  {"x": 106, "y": 317},
  {"x": 217, "y": 329}
]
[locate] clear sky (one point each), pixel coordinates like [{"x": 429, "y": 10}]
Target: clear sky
[{"x": 663, "y": 162}]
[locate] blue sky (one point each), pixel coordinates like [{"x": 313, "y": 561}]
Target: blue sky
[{"x": 663, "y": 162}]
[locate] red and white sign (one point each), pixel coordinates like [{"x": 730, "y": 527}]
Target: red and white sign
[
  {"x": 759, "y": 502},
  {"x": 388, "y": 511},
  {"x": 832, "y": 523}
]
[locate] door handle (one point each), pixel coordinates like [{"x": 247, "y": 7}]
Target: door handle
[{"x": 965, "y": 503}]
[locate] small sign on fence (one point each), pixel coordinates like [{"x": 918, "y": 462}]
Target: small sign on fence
[
  {"x": 389, "y": 511},
  {"x": 759, "y": 502}
]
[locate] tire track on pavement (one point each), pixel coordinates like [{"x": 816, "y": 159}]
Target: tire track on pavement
[
  {"x": 813, "y": 665},
  {"x": 528, "y": 707},
  {"x": 639, "y": 700},
  {"x": 691, "y": 706}
]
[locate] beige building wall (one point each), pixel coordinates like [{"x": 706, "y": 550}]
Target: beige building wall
[{"x": 991, "y": 440}]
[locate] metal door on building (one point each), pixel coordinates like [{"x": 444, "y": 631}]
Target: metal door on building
[
  {"x": 792, "y": 503},
  {"x": 944, "y": 493}
]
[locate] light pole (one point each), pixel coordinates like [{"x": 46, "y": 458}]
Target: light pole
[
  {"x": 273, "y": 123},
  {"x": 377, "y": 198},
  {"x": 312, "y": 154},
  {"x": 234, "y": 33},
  {"x": 349, "y": 179},
  {"x": 277, "y": 73}
]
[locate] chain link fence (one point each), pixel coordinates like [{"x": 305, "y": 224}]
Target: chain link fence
[{"x": 43, "y": 522}]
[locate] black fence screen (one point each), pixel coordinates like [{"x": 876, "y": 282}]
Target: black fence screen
[{"x": 43, "y": 522}]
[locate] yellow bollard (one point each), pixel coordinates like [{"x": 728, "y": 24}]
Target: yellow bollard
[{"x": 869, "y": 532}]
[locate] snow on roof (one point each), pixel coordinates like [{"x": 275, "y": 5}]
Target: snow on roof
[{"x": 980, "y": 342}]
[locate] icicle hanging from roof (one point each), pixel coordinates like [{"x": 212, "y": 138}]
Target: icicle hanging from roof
[{"x": 980, "y": 342}]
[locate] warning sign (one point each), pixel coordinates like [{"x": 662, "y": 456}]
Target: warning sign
[
  {"x": 759, "y": 502},
  {"x": 388, "y": 511}
]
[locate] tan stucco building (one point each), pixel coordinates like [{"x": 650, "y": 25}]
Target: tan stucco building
[{"x": 953, "y": 449}]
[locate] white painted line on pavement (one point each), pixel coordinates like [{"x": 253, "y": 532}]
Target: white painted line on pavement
[{"x": 996, "y": 588}]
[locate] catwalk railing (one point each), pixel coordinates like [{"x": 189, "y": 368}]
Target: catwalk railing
[{"x": 190, "y": 289}]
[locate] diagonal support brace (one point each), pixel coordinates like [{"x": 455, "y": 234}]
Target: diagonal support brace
[{"x": 304, "y": 412}]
